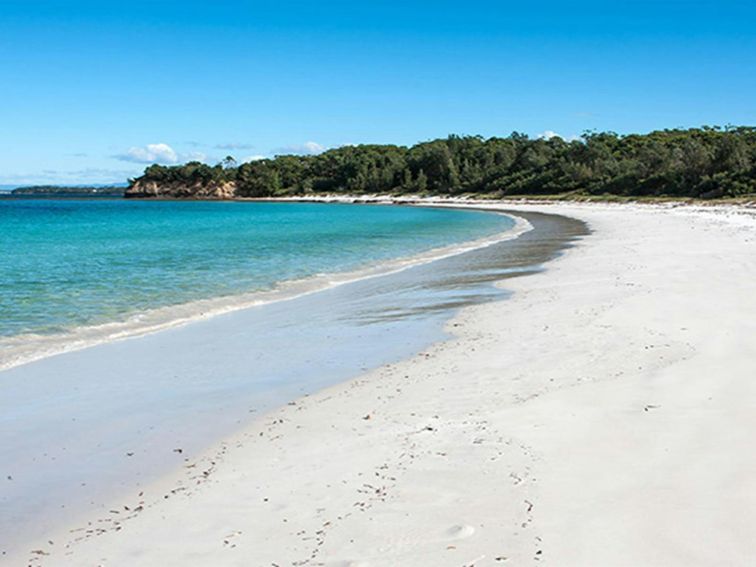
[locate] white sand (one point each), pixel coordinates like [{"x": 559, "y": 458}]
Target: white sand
[{"x": 603, "y": 416}]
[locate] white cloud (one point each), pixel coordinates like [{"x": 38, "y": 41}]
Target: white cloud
[
  {"x": 252, "y": 158},
  {"x": 313, "y": 147},
  {"x": 308, "y": 148},
  {"x": 164, "y": 154},
  {"x": 548, "y": 134},
  {"x": 151, "y": 153}
]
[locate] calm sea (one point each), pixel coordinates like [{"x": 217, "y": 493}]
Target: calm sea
[{"x": 69, "y": 265}]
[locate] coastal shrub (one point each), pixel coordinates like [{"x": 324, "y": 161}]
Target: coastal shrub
[{"x": 706, "y": 162}]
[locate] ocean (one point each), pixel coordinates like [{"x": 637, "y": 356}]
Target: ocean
[{"x": 81, "y": 271}]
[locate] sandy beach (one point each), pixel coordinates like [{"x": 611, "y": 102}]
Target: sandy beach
[{"x": 600, "y": 416}]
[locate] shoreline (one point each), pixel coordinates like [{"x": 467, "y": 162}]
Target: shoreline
[
  {"x": 428, "y": 469},
  {"x": 174, "y": 316},
  {"x": 364, "y": 325}
]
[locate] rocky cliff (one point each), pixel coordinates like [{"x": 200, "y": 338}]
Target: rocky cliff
[{"x": 199, "y": 190}]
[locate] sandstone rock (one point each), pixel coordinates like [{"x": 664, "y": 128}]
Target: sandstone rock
[{"x": 154, "y": 190}]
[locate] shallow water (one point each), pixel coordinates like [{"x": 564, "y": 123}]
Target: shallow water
[
  {"x": 80, "y": 428},
  {"x": 71, "y": 263}
]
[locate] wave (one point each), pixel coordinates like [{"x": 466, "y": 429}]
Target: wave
[{"x": 25, "y": 348}]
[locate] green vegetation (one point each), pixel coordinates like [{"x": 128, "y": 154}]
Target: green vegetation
[
  {"x": 191, "y": 173},
  {"x": 708, "y": 162}
]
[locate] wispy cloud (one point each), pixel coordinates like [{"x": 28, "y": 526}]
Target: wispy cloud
[
  {"x": 308, "y": 148},
  {"x": 151, "y": 153},
  {"x": 234, "y": 146},
  {"x": 194, "y": 156},
  {"x": 163, "y": 154}
]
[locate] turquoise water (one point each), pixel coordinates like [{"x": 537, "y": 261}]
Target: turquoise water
[
  {"x": 65, "y": 264},
  {"x": 85, "y": 429}
]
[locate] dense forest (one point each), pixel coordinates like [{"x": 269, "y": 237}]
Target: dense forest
[{"x": 706, "y": 162}]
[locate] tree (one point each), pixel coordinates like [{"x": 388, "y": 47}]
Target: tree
[
  {"x": 698, "y": 162},
  {"x": 228, "y": 162}
]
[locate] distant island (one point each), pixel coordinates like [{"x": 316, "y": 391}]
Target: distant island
[
  {"x": 705, "y": 163},
  {"x": 68, "y": 191}
]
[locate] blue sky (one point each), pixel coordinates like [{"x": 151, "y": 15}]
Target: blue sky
[{"x": 89, "y": 91}]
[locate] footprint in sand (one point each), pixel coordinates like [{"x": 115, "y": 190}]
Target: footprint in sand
[{"x": 461, "y": 531}]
